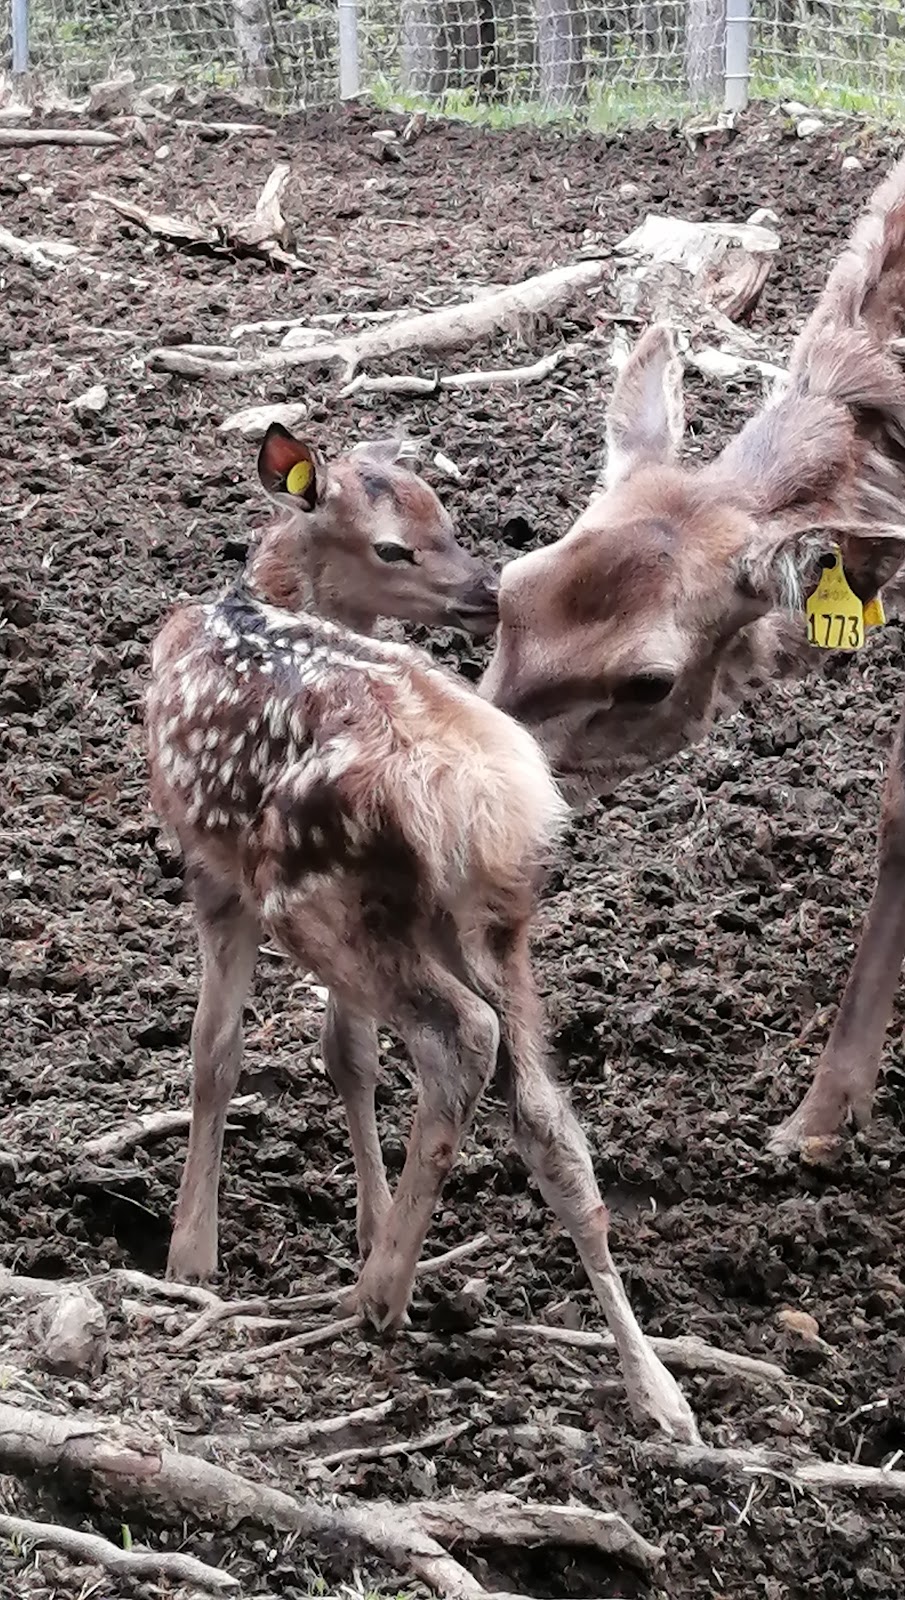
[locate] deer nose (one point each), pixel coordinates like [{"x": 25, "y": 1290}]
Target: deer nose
[{"x": 477, "y": 606}]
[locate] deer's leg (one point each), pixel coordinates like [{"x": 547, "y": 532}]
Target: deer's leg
[
  {"x": 553, "y": 1147},
  {"x": 349, "y": 1044},
  {"x": 228, "y": 940},
  {"x": 845, "y": 1080},
  {"x": 452, "y": 1037}
]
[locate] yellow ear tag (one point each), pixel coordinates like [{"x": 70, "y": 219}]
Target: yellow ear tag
[
  {"x": 874, "y": 615},
  {"x": 834, "y": 612},
  {"x": 299, "y": 477}
]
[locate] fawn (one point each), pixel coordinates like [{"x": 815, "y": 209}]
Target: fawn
[
  {"x": 617, "y": 643},
  {"x": 348, "y": 799}
]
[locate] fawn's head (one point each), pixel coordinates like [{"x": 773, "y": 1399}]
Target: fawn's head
[
  {"x": 616, "y": 643},
  {"x": 369, "y": 536}
]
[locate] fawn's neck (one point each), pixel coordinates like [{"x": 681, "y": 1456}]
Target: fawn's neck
[{"x": 278, "y": 574}]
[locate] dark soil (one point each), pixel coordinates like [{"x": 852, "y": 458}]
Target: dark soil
[{"x": 692, "y": 945}]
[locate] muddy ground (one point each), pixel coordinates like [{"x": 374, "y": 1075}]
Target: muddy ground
[{"x": 692, "y": 944}]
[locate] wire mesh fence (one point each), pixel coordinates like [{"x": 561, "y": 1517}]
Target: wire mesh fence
[{"x": 612, "y": 63}]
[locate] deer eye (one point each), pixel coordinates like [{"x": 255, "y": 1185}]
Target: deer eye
[
  {"x": 394, "y": 552},
  {"x": 644, "y": 689}
]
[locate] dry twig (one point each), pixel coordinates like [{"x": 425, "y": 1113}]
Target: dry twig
[
  {"x": 81, "y": 136},
  {"x": 92, "y": 1550},
  {"x": 292, "y": 1435},
  {"x": 150, "y": 1125},
  {"x": 262, "y": 233},
  {"x": 500, "y": 377}
]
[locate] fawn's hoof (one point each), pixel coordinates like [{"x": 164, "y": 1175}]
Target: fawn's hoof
[
  {"x": 189, "y": 1263},
  {"x": 381, "y": 1296}
]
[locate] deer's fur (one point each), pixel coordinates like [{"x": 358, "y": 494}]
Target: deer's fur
[
  {"x": 618, "y": 644},
  {"x": 347, "y": 799}
]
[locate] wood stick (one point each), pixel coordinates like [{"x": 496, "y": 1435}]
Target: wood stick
[
  {"x": 76, "y": 136},
  {"x": 454, "y": 327},
  {"x": 392, "y": 1447},
  {"x": 137, "y": 1468},
  {"x": 91, "y": 1549}
]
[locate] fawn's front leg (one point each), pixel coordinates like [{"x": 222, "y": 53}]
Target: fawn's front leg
[{"x": 228, "y": 942}]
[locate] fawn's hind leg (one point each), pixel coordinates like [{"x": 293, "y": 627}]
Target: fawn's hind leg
[
  {"x": 452, "y": 1037},
  {"x": 228, "y": 941},
  {"x": 349, "y": 1045},
  {"x": 553, "y": 1147}
]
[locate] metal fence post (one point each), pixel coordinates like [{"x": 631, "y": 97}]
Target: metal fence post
[
  {"x": 19, "y": 21},
  {"x": 738, "y": 49},
  {"x": 349, "y": 64}
]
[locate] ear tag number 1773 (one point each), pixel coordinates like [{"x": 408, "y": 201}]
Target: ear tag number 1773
[{"x": 836, "y": 617}]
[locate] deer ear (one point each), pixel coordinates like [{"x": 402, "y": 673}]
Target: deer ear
[
  {"x": 290, "y": 471},
  {"x": 645, "y": 418},
  {"x": 781, "y": 567},
  {"x": 387, "y": 452}
]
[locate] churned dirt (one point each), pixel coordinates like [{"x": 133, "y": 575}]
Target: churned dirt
[{"x": 693, "y": 941}]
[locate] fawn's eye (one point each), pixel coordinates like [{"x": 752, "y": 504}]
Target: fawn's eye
[
  {"x": 644, "y": 689},
  {"x": 394, "y": 552}
]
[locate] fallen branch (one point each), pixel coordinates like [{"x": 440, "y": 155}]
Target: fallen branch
[
  {"x": 150, "y": 1125},
  {"x": 453, "y": 328},
  {"x": 501, "y": 377},
  {"x": 707, "y": 1463},
  {"x": 79, "y": 136},
  {"x": 686, "y": 1354},
  {"x": 392, "y": 1447},
  {"x": 136, "y": 1468},
  {"x": 91, "y": 1549},
  {"x": 263, "y": 232}
]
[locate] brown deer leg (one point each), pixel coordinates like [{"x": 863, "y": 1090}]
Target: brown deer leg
[
  {"x": 452, "y": 1038},
  {"x": 228, "y": 940},
  {"x": 845, "y": 1081},
  {"x": 553, "y": 1147},
  {"x": 349, "y": 1045}
]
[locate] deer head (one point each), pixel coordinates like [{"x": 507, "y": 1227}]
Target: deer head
[
  {"x": 368, "y": 537},
  {"x": 616, "y": 643}
]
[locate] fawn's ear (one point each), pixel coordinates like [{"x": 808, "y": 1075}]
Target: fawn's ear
[
  {"x": 387, "y": 452},
  {"x": 645, "y": 418},
  {"x": 290, "y": 472}
]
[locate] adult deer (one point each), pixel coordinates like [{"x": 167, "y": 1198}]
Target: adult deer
[
  {"x": 618, "y": 642},
  {"x": 347, "y": 799}
]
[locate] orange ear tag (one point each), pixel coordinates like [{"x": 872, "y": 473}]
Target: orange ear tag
[{"x": 299, "y": 477}]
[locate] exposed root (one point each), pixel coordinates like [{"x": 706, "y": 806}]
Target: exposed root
[
  {"x": 708, "y": 1463},
  {"x": 135, "y": 1468},
  {"x": 453, "y": 328},
  {"x": 686, "y": 1354},
  {"x": 294, "y": 1435},
  {"x": 91, "y": 1549}
]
